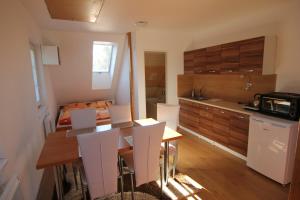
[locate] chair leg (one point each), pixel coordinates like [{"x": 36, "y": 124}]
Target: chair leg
[
  {"x": 161, "y": 181},
  {"x": 132, "y": 186},
  {"x": 120, "y": 163},
  {"x": 82, "y": 188},
  {"x": 174, "y": 165},
  {"x": 122, "y": 187},
  {"x": 75, "y": 178}
]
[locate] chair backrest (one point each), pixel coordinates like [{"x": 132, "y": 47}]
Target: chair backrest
[
  {"x": 146, "y": 152},
  {"x": 119, "y": 113},
  {"x": 99, "y": 153},
  {"x": 83, "y": 118},
  {"x": 168, "y": 113}
]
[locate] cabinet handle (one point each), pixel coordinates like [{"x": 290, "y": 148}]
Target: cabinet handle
[
  {"x": 212, "y": 71},
  {"x": 278, "y": 125},
  {"x": 250, "y": 70},
  {"x": 222, "y": 112},
  {"x": 258, "y": 120},
  {"x": 241, "y": 117}
]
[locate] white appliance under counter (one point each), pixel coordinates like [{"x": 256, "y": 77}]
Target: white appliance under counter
[{"x": 272, "y": 146}]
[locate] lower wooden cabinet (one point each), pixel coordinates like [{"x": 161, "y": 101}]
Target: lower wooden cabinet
[
  {"x": 225, "y": 127},
  {"x": 239, "y": 131},
  {"x": 189, "y": 115}
]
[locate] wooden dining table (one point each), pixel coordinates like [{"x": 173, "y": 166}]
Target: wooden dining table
[{"x": 61, "y": 147}]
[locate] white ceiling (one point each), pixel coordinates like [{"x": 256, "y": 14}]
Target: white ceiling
[{"x": 184, "y": 15}]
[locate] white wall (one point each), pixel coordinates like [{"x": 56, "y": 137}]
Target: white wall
[
  {"x": 173, "y": 44},
  {"x": 21, "y": 135},
  {"x": 123, "y": 89},
  {"x": 281, "y": 21},
  {"x": 72, "y": 80}
]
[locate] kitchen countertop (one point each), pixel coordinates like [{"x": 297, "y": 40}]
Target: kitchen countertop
[{"x": 219, "y": 103}]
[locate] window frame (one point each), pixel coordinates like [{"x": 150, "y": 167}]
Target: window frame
[
  {"x": 113, "y": 46},
  {"x": 35, "y": 75}
]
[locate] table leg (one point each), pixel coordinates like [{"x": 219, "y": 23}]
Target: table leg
[
  {"x": 166, "y": 163},
  {"x": 58, "y": 183}
]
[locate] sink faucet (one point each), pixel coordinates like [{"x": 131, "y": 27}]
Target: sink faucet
[{"x": 193, "y": 93}]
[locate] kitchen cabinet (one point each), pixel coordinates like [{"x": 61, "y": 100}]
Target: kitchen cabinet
[
  {"x": 220, "y": 125},
  {"x": 189, "y": 115},
  {"x": 189, "y": 62},
  {"x": 205, "y": 121},
  {"x": 251, "y": 56},
  {"x": 239, "y": 131}
]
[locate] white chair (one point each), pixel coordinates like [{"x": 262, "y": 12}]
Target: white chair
[
  {"x": 83, "y": 118},
  {"x": 99, "y": 153},
  {"x": 170, "y": 114},
  {"x": 80, "y": 119},
  {"x": 144, "y": 161},
  {"x": 119, "y": 113}
]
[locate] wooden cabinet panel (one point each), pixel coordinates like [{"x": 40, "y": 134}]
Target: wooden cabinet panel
[
  {"x": 221, "y": 128},
  {"x": 251, "y": 55},
  {"x": 230, "y": 58},
  {"x": 189, "y": 62},
  {"x": 240, "y": 57},
  {"x": 200, "y": 61},
  {"x": 205, "y": 112},
  {"x": 225, "y": 127},
  {"x": 205, "y": 121},
  {"x": 189, "y": 115},
  {"x": 239, "y": 130}
]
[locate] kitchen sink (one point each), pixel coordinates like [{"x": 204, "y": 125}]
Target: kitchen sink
[{"x": 200, "y": 98}]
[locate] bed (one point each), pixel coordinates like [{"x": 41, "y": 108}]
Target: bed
[{"x": 64, "y": 118}]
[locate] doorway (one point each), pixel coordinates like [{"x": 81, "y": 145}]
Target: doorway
[{"x": 155, "y": 81}]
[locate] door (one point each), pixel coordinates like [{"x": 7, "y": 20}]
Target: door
[{"x": 155, "y": 81}]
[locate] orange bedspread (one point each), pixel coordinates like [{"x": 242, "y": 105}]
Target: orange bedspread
[{"x": 100, "y": 106}]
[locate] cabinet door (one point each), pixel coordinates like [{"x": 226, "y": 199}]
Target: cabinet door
[
  {"x": 189, "y": 62},
  {"x": 200, "y": 61},
  {"x": 213, "y": 59},
  {"x": 205, "y": 121},
  {"x": 239, "y": 130},
  {"x": 189, "y": 115},
  {"x": 221, "y": 121},
  {"x": 251, "y": 55},
  {"x": 230, "y": 56}
]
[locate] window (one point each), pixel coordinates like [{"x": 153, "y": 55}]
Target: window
[
  {"x": 35, "y": 76},
  {"x": 104, "y": 61},
  {"x": 102, "y": 56}
]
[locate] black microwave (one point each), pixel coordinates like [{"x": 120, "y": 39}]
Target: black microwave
[{"x": 285, "y": 105}]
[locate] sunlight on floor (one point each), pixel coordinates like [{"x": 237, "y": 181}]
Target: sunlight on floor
[{"x": 186, "y": 187}]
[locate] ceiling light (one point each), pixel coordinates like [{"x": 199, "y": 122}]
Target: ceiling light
[{"x": 141, "y": 23}]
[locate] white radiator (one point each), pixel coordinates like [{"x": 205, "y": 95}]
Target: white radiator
[
  {"x": 11, "y": 190},
  {"x": 49, "y": 125}
]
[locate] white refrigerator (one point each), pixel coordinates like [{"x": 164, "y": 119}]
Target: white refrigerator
[{"x": 272, "y": 147}]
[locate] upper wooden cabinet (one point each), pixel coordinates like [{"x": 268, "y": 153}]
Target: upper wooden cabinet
[{"x": 255, "y": 56}]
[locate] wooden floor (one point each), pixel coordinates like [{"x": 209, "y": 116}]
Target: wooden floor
[{"x": 223, "y": 175}]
